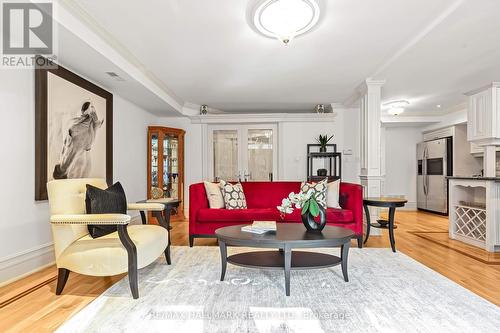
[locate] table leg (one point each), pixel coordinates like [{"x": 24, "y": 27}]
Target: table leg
[
  {"x": 392, "y": 210},
  {"x": 223, "y": 256},
  {"x": 288, "y": 266},
  {"x": 367, "y": 213},
  {"x": 344, "y": 252}
]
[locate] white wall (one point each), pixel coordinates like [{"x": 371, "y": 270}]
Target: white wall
[
  {"x": 25, "y": 236},
  {"x": 295, "y": 136},
  {"x": 401, "y": 162},
  {"x": 130, "y": 129}
]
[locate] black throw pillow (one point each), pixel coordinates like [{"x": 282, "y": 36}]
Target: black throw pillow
[{"x": 109, "y": 201}]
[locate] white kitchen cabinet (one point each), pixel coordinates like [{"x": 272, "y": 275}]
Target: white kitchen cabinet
[
  {"x": 477, "y": 150},
  {"x": 483, "y": 115}
]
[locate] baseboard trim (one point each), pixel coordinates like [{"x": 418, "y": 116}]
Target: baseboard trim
[{"x": 20, "y": 265}]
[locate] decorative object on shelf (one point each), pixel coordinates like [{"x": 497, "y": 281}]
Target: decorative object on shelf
[
  {"x": 323, "y": 141},
  {"x": 320, "y": 108},
  {"x": 285, "y": 19},
  {"x": 322, "y": 172},
  {"x": 310, "y": 209},
  {"x": 329, "y": 160},
  {"x": 203, "y": 109},
  {"x": 156, "y": 192},
  {"x": 73, "y": 128}
]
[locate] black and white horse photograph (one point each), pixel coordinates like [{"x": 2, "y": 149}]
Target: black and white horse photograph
[
  {"x": 76, "y": 146},
  {"x": 74, "y": 129},
  {"x": 76, "y": 158}
]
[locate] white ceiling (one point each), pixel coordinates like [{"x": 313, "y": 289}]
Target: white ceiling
[{"x": 204, "y": 52}]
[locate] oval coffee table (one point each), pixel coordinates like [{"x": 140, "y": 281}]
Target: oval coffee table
[{"x": 288, "y": 236}]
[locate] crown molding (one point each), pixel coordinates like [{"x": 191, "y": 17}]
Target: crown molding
[{"x": 262, "y": 118}]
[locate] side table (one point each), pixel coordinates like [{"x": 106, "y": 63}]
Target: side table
[{"x": 384, "y": 202}]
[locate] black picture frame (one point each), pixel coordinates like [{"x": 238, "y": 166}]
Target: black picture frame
[{"x": 41, "y": 122}]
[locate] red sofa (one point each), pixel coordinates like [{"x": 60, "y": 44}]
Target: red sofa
[{"x": 262, "y": 199}]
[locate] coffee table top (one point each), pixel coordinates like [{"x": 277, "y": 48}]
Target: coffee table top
[{"x": 294, "y": 233}]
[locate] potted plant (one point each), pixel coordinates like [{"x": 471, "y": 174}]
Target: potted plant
[
  {"x": 323, "y": 141},
  {"x": 310, "y": 209}
]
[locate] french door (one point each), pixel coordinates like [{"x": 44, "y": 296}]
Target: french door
[{"x": 243, "y": 152}]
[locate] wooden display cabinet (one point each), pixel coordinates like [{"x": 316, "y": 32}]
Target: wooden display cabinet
[{"x": 166, "y": 165}]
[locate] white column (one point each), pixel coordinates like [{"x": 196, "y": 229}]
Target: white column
[
  {"x": 489, "y": 161},
  {"x": 372, "y": 167}
]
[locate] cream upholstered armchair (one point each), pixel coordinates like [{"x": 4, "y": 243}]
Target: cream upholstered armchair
[{"x": 130, "y": 248}]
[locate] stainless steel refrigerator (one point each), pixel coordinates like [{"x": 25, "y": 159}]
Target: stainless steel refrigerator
[{"x": 434, "y": 160}]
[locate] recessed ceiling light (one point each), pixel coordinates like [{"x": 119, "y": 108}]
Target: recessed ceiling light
[
  {"x": 438, "y": 106},
  {"x": 286, "y": 19},
  {"x": 395, "y": 108}
]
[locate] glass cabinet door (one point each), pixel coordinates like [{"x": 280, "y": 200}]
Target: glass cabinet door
[
  {"x": 170, "y": 166},
  {"x": 165, "y": 165},
  {"x": 154, "y": 160}
]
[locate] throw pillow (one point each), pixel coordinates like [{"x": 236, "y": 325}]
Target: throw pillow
[
  {"x": 332, "y": 194},
  {"x": 214, "y": 195},
  {"x": 234, "y": 198},
  {"x": 319, "y": 189},
  {"x": 108, "y": 201}
]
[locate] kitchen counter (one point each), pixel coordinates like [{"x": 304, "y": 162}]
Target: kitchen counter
[
  {"x": 496, "y": 179},
  {"x": 474, "y": 206}
]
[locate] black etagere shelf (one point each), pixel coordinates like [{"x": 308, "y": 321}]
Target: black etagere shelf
[{"x": 334, "y": 169}]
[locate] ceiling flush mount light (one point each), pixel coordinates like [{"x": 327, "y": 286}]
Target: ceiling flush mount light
[
  {"x": 395, "y": 108},
  {"x": 286, "y": 19}
]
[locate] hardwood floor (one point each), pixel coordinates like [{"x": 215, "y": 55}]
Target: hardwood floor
[{"x": 30, "y": 304}]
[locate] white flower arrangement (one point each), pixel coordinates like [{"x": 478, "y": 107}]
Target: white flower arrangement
[{"x": 305, "y": 201}]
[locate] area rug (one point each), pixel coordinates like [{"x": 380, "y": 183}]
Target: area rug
[{"x": 387, "y": 292}]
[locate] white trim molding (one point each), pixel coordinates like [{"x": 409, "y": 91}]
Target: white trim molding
[
  {"x": 19, "y": 265},
  {"x": 245, "y": 118}
]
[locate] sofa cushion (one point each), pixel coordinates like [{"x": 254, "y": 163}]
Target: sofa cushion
[
  {"x": 319, "y": 190},
  {"x": 214, "y": 195},
  {"x": 332, "y": 215},
  {"x": 234, "y": 197},
  {"x": 234, "y": 215}
]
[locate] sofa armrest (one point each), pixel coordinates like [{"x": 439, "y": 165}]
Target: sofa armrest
[
  {"x": 146, "y": 206},
  {"x": 352, "y": 199},
  {"x": 197, "y": 200},
  {"x": 117, "y": 219}
]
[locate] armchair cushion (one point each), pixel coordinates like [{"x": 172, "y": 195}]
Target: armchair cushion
[
  {"x": 99, "y": 201},
  {"x": 106, "y": 255}
]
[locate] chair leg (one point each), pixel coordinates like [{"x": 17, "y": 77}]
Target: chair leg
[
  {"x": 163, "y": 222},
  {"x": 132, "y": 259},
  {"x": 167, "y": 255},
  {"x": 62, "y": 278},
  {"x": 191, "y": 241},
  {"x": 360, "y": 241}
]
